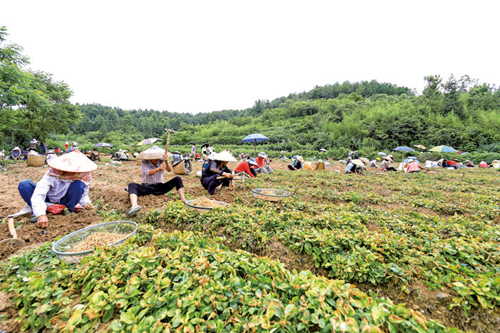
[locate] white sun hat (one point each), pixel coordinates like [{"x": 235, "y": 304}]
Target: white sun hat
[
  {"x": 72, "y": 162},
  {"x": 262, "y": 154},
  {"x": 224, "y": 156}
]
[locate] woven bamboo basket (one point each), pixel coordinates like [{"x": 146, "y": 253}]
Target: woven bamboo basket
[{"x": 36, "y": 160}]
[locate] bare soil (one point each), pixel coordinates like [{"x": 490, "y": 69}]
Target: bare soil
[{"x": 108, "y": 189}]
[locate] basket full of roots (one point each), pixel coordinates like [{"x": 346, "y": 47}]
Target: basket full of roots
[{"x": 73, "y": 247}]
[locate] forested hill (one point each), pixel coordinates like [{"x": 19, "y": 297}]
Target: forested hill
[
  {"x": 459, "y": 112},
  {"x": 92, "y": 122}
]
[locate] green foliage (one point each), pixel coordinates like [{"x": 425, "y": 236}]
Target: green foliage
[
  {"x": 186, "y": 282},
  {"x": 32, "y": 105},
  {"x": 365, "y": 116}
]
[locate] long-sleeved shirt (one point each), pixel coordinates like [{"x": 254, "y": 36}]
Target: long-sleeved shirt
[
  {"x": 212, "y": 169},
  {"x": 385, "y": 164},
  {"x": 297, "y": 164},
  {"x": 260, "y": 161},
  {"x": 148, "y": 165},
  {"x": 413, "y": 166},
  {"x": 53, "y": 189},
  {"x": 244, "y": 167}
]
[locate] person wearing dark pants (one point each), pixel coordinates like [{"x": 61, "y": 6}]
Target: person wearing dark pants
[
  {"x": 152, "y": 178},
  {"x": 217, "y": 173},
  {"x": 66, "y": 183}
]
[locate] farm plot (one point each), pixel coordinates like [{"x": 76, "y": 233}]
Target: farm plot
[{"x": 430, "y": 243}]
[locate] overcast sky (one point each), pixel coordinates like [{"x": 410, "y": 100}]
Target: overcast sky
[{"x": 202, "y": 56}]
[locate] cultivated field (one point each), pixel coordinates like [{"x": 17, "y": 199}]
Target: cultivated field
[{"x": 376, "y": 252}]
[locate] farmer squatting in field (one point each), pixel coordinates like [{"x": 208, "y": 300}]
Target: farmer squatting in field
[{"x": 66, "y": 183}]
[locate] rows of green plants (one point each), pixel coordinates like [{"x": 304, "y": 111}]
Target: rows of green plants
[
  {"x": 406, "y": 246},
  {"x": 185, "y": 282},
  {"x": 454, "y": 192}
]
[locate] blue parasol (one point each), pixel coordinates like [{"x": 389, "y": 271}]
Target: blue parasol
[
  {"x": 403, "y": 149},
  {"x": 254, "y": 138}
]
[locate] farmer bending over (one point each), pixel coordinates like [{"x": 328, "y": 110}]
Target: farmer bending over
[
  {"x": 66, "y": 183},
  {"x": 154, "y": 162},
  {"x": 217, "y": 173}
]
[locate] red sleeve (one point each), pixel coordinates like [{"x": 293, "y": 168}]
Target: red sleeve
[{"x": 244, "y": 167}]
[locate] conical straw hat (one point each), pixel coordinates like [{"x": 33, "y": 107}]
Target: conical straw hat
[
  {"x": 358, "y": 163},
  {"x": 153, "y": 153},
  {"x": 72, "y": 162},
  {"x": 224, "y": 156}
]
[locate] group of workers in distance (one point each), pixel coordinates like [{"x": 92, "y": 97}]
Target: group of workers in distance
[
  {"x": 67, "y": 181},
  {"x": 354, "y": 164}
]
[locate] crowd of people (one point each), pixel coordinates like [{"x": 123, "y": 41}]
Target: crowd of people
[{"x": 67, "y": 181}]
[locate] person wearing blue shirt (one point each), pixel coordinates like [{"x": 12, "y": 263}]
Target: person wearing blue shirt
[{"x": 297, "y": 163}]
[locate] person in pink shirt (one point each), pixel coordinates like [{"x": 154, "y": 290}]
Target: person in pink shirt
[
  {"x": 413, "y": 166},
  {"x": 262, "y": 164}
]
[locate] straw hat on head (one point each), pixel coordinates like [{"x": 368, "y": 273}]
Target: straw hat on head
[
  {"x": 72, "y": 162},
  {"x": 153, "y": 153},
  {"x": 224, "y": 157},
  {"x": 211, "y": 157},
  {"x": 365, "y": 160},
  {"x": 358, "y": 162},
  {"x": 300, "y": 158},
  {"x": 388, "y": 158},
  {"x": 176, "y": 152}
]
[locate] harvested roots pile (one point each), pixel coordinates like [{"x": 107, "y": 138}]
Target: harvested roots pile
[
  {"x": 205, "y": 202},
  {"x": 97, "y": 239},
  {"x": 269, "y": 195},
  {"x": 267, "y": 192}
]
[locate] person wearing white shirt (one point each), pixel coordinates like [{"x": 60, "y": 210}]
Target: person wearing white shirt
[{"x": 66, "y": 183}]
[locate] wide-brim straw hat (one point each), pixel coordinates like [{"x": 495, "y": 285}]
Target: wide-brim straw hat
[
  {"x": 176, "y": 152},
  {"x": 387, "y": 158},
  {"x": 300, "y": 158},
  {"x": 224, "y": 156},
  {"x": 72, "y": 162},
  {"x": 153, "y": 153},
  {"x": 358, "y": 162},
  {"x": 365, "y": 160}
]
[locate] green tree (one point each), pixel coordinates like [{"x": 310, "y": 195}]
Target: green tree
[{"x": 31, "y": 103}]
